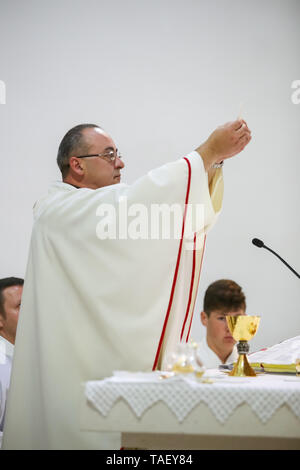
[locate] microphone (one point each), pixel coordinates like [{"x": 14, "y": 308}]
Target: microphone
[{"x": 260, "y": 244}]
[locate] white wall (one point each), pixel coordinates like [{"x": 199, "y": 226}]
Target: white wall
[{"x": 159, "y": 76}]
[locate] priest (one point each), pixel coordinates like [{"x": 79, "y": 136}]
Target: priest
[{"x": 98, "y": 297}]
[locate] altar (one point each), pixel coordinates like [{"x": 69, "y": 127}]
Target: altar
[{"x": 158, "y": 411}]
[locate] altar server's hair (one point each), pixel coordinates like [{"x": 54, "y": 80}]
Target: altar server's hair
[
  {"x": 4, "y": 283},
  {"x": 224, "y": 295},
  {"x": 72, "y": 143}
]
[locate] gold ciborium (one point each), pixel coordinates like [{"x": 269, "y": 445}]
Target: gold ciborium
[{"x": 242, "y": 328}]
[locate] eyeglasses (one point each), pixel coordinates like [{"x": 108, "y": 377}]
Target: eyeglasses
[{"x": 111, "y": 154}]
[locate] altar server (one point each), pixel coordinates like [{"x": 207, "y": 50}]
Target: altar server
[
  {"x": 223, "y": 297},
  {"x": 99, "y": 298},
  {"x": 10, "y": 301}
]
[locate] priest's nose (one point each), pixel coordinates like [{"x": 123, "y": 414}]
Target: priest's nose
[{"x": 119, "y": 163}]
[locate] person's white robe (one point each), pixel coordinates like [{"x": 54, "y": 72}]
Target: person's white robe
[
  {"x": 5, "y": 371},
  {"x": 93, "y": 306},
  {"x": 210, "y": 359}
]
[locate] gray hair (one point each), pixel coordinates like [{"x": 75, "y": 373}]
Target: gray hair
[{"x": 72, "y": 142}]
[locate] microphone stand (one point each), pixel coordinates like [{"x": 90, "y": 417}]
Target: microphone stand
[
  {"x": 260, "y": 244},
  {"x": 295, "y": 272}
]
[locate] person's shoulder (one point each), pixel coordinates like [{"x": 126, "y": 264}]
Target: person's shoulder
[
  {"x": 6, "y": 347},
  {"x": 5, "y": 363},
  {"x": 203, "y": 349}
]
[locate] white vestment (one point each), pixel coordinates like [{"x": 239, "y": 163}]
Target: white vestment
[
  {"x": 210, "y": 359},
  {"x": 92, "y": 306},
  {"x": 5, "y": 372}
]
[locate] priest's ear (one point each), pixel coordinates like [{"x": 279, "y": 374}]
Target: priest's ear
[
  {"x": 77, "y": 166},
  {"x": 204, "y": 318}
]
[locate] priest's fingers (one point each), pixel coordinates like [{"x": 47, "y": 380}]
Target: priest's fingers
[
  {"x": 244, "y": 134},
  {"x": 243, "y": 142},
  {"x": 242, "y": 130},
  {"x": 236, "y": 125},
  {"x": 240, "y": 126}
]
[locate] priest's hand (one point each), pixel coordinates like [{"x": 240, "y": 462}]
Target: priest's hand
[{"x": 225, "y": 142}]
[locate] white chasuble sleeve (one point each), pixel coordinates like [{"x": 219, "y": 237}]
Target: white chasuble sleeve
[
  {"x": 106, "y": 288},
  {"x": 203, "y": 205}
]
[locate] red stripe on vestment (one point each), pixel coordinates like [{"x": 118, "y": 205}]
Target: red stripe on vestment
[
  {"x": 176, "y": 269},
  {"x": 191, "y": 288},
  {"x": 187, "y": 338}
]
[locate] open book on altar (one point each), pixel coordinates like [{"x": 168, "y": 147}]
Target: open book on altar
[{"x": 280, "y": 358}]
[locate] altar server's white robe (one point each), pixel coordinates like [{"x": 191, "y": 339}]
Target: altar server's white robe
[{"x": 93, "y": 306}]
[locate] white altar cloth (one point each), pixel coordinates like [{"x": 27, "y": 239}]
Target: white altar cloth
[{"x": 265, "y": 394}]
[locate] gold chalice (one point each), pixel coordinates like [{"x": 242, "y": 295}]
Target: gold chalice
[{"x": 242, "y": 328}]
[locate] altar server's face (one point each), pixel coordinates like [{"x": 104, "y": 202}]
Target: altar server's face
[
  {"x": 100, "y": 171},
  {"x": 217, "y": 331}
]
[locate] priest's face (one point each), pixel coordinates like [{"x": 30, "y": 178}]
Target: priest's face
[
  {"x": 218, "y": 335},
  {"x": 100, "y": 171}
]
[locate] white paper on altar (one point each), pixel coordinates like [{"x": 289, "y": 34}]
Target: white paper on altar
[{"x": 282, "y": 353}]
